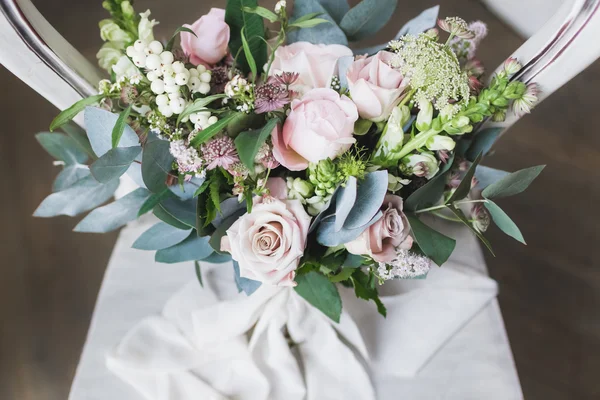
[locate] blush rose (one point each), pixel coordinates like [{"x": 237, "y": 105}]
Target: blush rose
[{"x": 210, "y": 44}]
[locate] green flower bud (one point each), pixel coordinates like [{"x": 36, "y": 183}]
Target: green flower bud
[
  {"x": 110, "y": 31},
  {"x": 391, "y": 141},
  {"x": 299, "y": 189},
  {"x": 325, "y": 177},
  {"x": 422, "y": 165},
  {"x": 439, "y": 142},
  {"x": 127, "y": 9}
]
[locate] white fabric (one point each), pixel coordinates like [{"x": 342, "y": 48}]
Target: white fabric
[{"x": 443, "y": 338}]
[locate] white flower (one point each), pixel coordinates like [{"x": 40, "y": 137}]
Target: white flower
[
  {"x": 145, "y": 27},
  {"x": 440, "y": 142},
  {"x": 281, "y": 5},
  {"x": 422, "y": 165},
  {"x": 407, "y": 265},
  {"x": 109, "y": 55},
  {"x": 124, "y": 68}
]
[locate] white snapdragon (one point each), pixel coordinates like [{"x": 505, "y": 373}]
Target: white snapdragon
[
  {"x": 146, "y": 26},
  {"x": 280, "y": 6},
  {"x": 422, "y": 165},
  {"x": 168, "y": 76}
]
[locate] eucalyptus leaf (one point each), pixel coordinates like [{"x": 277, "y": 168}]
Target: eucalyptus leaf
[
  {"x": 216, "y": 258},
  {"x": 164, "y": 216},
  {"x": 245, "y": 285},
  {"x": 504, "y": 222},
  {"x": 215, "y": 239},
  {"x": 114, "y": 163},
  {"x": 62, "y": 148},
  {"x": 71, "y": 112},
  {"x": 76, "y": 133},
  {"x": 344, "y": 201},
  {"x": 229, "y": 207},
  {"x": 464, "y": 187},
  {"x": 187, "y": 189},
  {"x": 69, "y": 176},
  {"x": 427, "y": 195},
  {"x": 344, "y": 64},
  {"x": 99, "y": 124},
  {"x": 157, "y": 163},
  {"x": 336, "y": 8},
  {"x": 198, "y": 273},
  {"x": 370, "y": 194},
  {"x": 434, "y": 245},
  {"x": 321, "y": 293},
  {"x": 254, "y": 30},
  {"x": 461, "y": 216},
  {"x": 191, "y": 249},
  {"x": 483, "y": 142},
  {"x": 248, "y": 143},
  {"x": 160, "y": 236},
  {"x": 367, "y": 18},
  {"x": 320, "y": 34},
  {"x": 115, "y": 215},
  {"x": 513, "y": 184},
  {"x": 486, "y": 176},
  {"x": 327, "y": 235},
  {"x": 153, "y": 200},
  {"x": 82, "y": 196},
  {"x": 183, "y": 211}
]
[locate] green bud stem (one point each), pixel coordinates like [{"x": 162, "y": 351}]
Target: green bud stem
[
  {"x": 417, "y": 142},
  {"x": 443, "y": 206}
]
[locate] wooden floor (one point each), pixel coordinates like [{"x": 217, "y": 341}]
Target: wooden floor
[{"x": 549, "y": 290}]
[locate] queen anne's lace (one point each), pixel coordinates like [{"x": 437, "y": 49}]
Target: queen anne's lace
[{"x": 433, "y": 72}]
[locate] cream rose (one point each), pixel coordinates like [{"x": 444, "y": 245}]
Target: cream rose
[
  {"x": 320, "y": 126},
  {"x": 269, "y": 242},
  {"x": 316, "y": 63},
  {"x": 382, "y": 239},
  {"x": 375, "y": 87}
]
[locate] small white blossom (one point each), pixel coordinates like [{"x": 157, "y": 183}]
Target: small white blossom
[
  {"x": 407, "y": 265},
  {"x": 281, "y": 5}
]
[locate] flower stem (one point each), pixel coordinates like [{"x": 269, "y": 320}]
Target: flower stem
[
  {"x": 417, "y": 142},
  {"x": 443, "y": 206}
]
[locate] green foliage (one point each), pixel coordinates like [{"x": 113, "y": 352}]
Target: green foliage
[
  {"x": 71, "y": 112},
  {"x": 154, "y": 200},
  {"x": 461, "y": 216},
  {"x": 198, "y": 105},
  {"x": 321, "y": 293},
  {"x": 433, "y": 244},
  {"x": 191, "y": 249},
  {"x": 504, "y": 222},
  {"x": 198, "y": 273},
  {"x": 464, "y": 187},
  {"x": 483, "y": 142},
  {"x": 365, "y": 288},
  {"x": 248, "y": 143},
  {"x": 160, "y": 236},
  {"x": 263, "y": 12},
  {"x": 367, "y": 18},
  {"x": 171, "y": 41},
  {"x": 305, "y": 10},
  {"x": 62, "y": 148},
  {"x": 180, "y": 210},
  {"x": 206, "y": 134},
  {"x": 120, "y": 126},
  {"x": 114, "y": 163},
  {"x": 254, "y": 31},
  {"x": 164, "y": 216},
  {"x": 248, "y": 53},
  {"x": 512, "y": 184},
  {"x": 157, "y": 163}
]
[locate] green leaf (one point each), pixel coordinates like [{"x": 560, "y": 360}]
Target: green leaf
[
  {"x": 69, "y": 176},
  {"x": 513, "y": 184},
  {"x": 198, "y": 105},
  {"x": 76, "y": 133},
  {"x": 344, "y": 275},
  {"x": 308, "y": 16},
  {"x": 202, "y": 188},
  {"x": 71, "y": 112},
  {"x": 245, "y": 122},
  {"x": 464, "y": 187},
  {"x": 321, "y": 293},
  {"x": 164, "y": 216},
  {"x": 215, "y": 190},
  {"x": 171, "y": 41},
  {"x": 504, "y": 222},
  {"x": 263, "y": 12},
  {"x": 160, "y": 236},
  {"x": 62, "y": 148},
  {"x": 320, "y": 34},
  {"x": 310, "y": 23},
  {"x": 460, "y": 215},
  {"x": 198, "y": 273},
  {"x": 248, "y": 53},
  {"x": 336, "y": 8},
  {"x": 157, "y": 163},
  {"x": 367, "y": 18},
  {"x": 483, "y": 142},
  {"x": 254, "y": 29},
  {"x": 215, "y": 239},
  {"x": 191, "y": 249},
  {"x": 99, "y": 125},
  {"x": 182, "y": 211},
  {"x": 211, "y": 131},
  {"x": 248, "y": 143},
  {"x": 114, "y": 163},
  {"x": 427, "y": 195},
  {"x": 84, "y": 195},
  {"x": 362, "y": 127},
  {"x": 115, "y": 215},
  {"x": 434, "y": 245},
  {"x": 119, "y": 128},
  {"x": 364, "y": 288},
  {"x": 154, "y": 200},
  {"x": 245, "y": 285}
]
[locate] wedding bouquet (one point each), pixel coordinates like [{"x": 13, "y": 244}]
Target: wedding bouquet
[{"x": 265, "y": 140}]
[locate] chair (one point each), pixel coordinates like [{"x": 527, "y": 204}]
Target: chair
[{"x": 39, "y": 56}]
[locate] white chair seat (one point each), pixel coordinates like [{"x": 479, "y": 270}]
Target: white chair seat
[{"x": 475, "y": 363}]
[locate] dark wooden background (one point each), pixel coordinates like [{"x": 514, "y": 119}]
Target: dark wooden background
[{"x": 549, "y": 290}]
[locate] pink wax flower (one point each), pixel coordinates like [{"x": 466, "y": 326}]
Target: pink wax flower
[{"x": 210, "y": 45}]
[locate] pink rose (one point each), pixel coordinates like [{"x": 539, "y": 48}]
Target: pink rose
[
  {"x": 316, "y": 63},
  {"x": 320, "y": 126},
  {"x": 375, "y": 87},
  {"x": 269, "y": 242},
  {"x": 381, "y": 239},
  {"x": 213, "y": 38},
  {"x": 277, "y": 188}
]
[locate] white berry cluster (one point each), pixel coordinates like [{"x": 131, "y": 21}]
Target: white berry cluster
[
  {"x": 202, "y": 120},
  {"x": 168, "y": 76}
]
